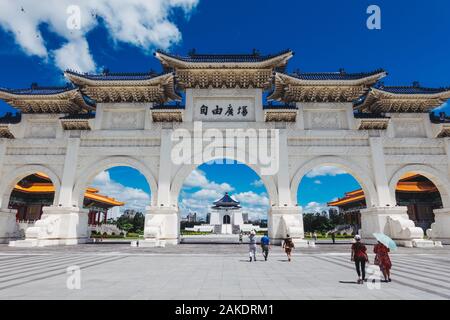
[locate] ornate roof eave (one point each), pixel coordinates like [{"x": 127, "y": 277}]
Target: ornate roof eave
[
  {"x": 280, "y": 114},
  {"x": 67, "y": 101},
  {"x": 5, "y": 131},
  {"x": 162, "y": 88},
  {"x": 168, "y": 60},
  {"x": 378, "y": 100},
  {"x": 75, "y": 124},
  {"x": 289, "y": 88},
  {"x": 367, "y": 80},
  {"x": 167, "y": 114}
]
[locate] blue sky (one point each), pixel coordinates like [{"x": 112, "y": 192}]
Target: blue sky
[{"x": 412, "y": 45}]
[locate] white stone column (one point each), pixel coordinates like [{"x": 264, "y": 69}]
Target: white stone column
[
  {"x": 285, "y": 218},
  {"x": 8, "y": 225},
  {"x": 165, "y": 169},
  {"x": 385, "y": 217},
  {"x": 284, "y": 192},
  {"x": 379, "y": 173},
  {"x": 161, "y": 221},
  {"x": 68, "y": 177},
  {"x": 440, "y": 229},
  {"x": 2, "y": 153},
  {"x": 447, "y": 151}
]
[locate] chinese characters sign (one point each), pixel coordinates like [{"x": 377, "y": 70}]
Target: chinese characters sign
[{"x": 224, "y": 110}]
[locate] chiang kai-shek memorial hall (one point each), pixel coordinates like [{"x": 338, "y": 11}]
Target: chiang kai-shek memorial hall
[{"x": 376, "y": 133}]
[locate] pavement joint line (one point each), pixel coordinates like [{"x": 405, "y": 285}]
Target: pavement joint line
[
  {"x": 59, "y": 266},
  {"x": 446, "y": 296},
  {"x": 58, "y": 274}
]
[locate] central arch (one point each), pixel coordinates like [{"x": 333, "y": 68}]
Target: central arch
[
  {"x": 185, "y": 170},
  {"x": 352, "y": 168}
]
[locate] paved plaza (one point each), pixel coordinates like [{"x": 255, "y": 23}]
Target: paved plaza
[{"x": 117, "y": 271}]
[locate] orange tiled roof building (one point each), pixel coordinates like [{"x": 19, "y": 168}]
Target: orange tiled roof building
[
  {"x": 35, "y": 191},
  {"x": 414, "y": 191}
]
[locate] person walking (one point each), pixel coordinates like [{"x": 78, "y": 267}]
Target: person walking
[
  {"x": 252, "y": 246},
  {"x": 314, "y": 236},
  {"x": 333, "y": 237},
  {"x": 288, "y": 245},
  {"x": 382, "y": 260},
  {"x": 240, "y": 237},
  {"x": 359, "y": 256},
  {"x": 265, "y": 244}
]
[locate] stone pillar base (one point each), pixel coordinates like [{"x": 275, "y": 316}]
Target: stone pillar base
[
  {"x": 161, "y": 227},
  {"x": 8, "y": 225},
  {"x": 57, "y": 226},
  {"x": 284, "y": 221},
  {"x": 440, "y": 229},
  {"x": 392, "y": 221}
]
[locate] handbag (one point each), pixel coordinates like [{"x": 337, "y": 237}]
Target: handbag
[{"x": 376, "y": 261}]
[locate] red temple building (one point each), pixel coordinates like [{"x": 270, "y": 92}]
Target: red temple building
[
  {"x": 414, "y": 191},
  {"x": 36, "y": 191}
]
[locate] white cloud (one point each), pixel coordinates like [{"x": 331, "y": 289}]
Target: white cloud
[
  {"x": 200, "y": 201},
  {"x": 257, "y": 183},
  {"x": 313, "y": 207},
  {"x": 197, "y": 179},
  {"x": 252, "y": 198},
  {"x": 74, "y": 55},
  {"x": 325, "y": 171},
  {"x": 134, "y": 198},
  {"x": 143, "y": 23}
]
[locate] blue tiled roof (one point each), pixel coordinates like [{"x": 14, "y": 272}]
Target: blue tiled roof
[
  {"x": 109, "y": 76},
  {"x": 414, "y": 89},
  {"x": 9, "y": 118},
  {"x": 340, "y": 75},
  {"x": 223, "y": 58},
  {"x": 36, "y": 90},
  {"x": 226, "y": 201}
]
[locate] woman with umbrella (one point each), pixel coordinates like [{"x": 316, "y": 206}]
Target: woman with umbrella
[{"x": 381, "y": 250}]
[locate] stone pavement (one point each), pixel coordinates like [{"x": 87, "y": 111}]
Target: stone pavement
[{"x": 117, "y": 271}]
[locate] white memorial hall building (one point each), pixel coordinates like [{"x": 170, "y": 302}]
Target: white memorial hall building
[{"x": 376, "y": 133}]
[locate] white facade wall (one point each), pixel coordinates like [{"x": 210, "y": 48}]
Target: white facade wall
[{"x": 124, "y": 135}]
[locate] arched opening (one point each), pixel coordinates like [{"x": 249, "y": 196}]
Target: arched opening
[
  {"x": 420, "y": 195},
  {"x": 28, "y": 197},
  {"x": 222, "y": 198},
  {"x": 116, "y": 199},
  {"x": 331, "y": 199}
]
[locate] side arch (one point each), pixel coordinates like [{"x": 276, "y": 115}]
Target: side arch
[
  {"x": 11, "y": 179},
  {"x": 437, "y": 177},
  {"x": 352, "y": 168},
  {"x": 89, "y": 173},
  {"x": 185, "y": 170}
]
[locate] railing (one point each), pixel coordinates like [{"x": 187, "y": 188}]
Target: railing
[
  {"x": 168, "y": 106},
  {"x": 83, "y": 116},
  {"x": 271, "y": 106},
  {"x": 363, "y": 115}
]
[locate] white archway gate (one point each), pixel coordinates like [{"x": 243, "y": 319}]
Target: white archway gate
[{"x": 374, "y": 132}]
